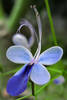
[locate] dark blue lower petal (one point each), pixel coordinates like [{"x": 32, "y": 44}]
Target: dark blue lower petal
[{"x": 18, "y": 83}]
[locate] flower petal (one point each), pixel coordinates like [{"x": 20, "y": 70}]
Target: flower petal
[
  {"x": 39, "y": 74},
  {"x": 51, "y": 55},
  {"x": 18, "y": 83},
  {"x": 19, "y": 54}
]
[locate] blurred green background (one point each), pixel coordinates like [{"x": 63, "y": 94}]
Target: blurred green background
[{"x": 11, "y": 12}]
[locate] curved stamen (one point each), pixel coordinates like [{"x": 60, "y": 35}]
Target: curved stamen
[
  {"x": 40, "y": 33},
  {"x": 24, "y": 22}
]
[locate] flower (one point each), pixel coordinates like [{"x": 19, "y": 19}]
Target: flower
[
  {"x": 33, "y": 67},
  {"x": 59, "y": 80},
  {"x": 20, "y": 39}
]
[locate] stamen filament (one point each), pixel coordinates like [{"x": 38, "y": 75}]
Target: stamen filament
[{"x": 36, "y": 56}]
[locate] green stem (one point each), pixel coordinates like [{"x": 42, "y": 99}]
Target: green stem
[
  {"x": 9, "y": 72},
  {"x": 19, "y": 10},
  {"x": 35, "y": 93},
  {"x": 33, "y": 89},
  {"x": 24, "y": 97},
  {"x": 51, "y": 21},
  {"x": 55, "y": 70}
]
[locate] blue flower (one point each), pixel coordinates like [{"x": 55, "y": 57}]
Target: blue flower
[
  {"x": 33, "y": 67},
  {"x": 59, "y": 80}
]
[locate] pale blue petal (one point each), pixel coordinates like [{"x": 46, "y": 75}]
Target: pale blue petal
[
  {"x": 19, "y": 54},
  {"x": 18, "y": 83},
  {"x": 39, "y": 74},
  {"x": 51, "y": 55}
]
